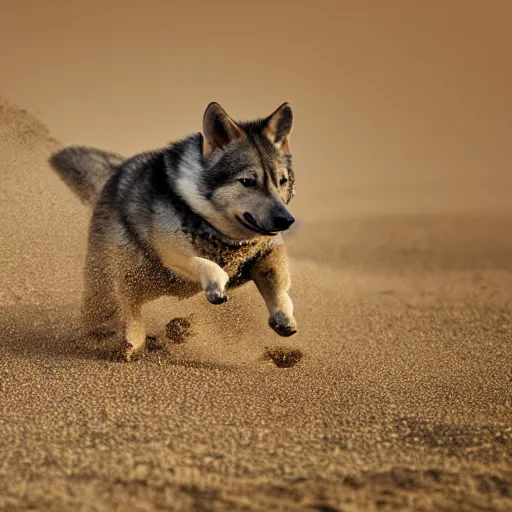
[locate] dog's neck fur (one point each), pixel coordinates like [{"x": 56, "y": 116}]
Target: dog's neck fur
[{"x": 184, "y": 166}]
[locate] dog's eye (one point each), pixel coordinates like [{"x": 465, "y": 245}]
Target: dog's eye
[
  {"x": 283, "y": 180},
  {"x": 247, "y": 182}
]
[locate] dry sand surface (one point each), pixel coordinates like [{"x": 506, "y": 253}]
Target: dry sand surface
[{"x": 401, "y": 401}]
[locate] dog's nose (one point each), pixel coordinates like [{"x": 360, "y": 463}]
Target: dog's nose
[{"x": 283, "y": 222}]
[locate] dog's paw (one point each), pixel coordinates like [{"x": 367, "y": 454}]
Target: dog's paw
[
  {"x": 283, "y": 325},
  {"x": 215, "y": 295},
  {"x": 125, "y": 353}
]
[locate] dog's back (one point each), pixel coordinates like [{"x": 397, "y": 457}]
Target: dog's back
[{"x": 85, "y": 170}]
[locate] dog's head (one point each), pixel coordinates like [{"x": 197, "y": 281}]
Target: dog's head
[{"x": 247, "y": 178}]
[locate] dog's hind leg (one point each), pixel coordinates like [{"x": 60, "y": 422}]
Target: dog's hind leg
[
  {"x": 101, "y": 309},
  {"x": 112, "y": 308},
  {"x": 135, "y": 331}
]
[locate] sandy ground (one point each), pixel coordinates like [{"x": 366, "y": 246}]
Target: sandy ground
[{"x": 401, "y": 401}]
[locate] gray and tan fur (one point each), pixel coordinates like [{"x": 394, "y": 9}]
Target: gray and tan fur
[{"x": 204, "y": 213}]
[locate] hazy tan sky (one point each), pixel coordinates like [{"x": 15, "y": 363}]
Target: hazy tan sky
[{"x": 389, "y": 95}]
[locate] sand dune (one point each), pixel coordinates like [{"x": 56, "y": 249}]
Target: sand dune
[{"x": 402, "y": 399}]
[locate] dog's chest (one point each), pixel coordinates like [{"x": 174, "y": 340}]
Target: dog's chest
[{"x": 234, "y": 260}]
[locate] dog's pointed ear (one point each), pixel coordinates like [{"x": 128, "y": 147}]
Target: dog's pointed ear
[
  {"x": 218, "y": 129},
  {"x": 279, "y": 126}
]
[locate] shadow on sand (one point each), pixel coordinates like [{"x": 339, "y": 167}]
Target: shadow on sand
[{"x": 33, "y": 331}]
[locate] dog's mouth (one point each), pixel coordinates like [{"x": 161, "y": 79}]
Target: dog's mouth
[{"x": 249, "y": 222}]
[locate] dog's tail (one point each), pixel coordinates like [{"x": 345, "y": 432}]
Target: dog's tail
[{"x": 85, "y": 170}]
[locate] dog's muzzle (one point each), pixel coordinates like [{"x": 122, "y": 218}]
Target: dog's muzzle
[{"x": 279, "y": 223}]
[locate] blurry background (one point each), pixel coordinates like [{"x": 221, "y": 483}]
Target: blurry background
[{"x": 400, "y": 106}]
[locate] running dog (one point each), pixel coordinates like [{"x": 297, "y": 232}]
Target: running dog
[{"x": 204, "y": 213}]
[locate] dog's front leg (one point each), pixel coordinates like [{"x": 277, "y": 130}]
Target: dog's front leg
[
  {"x": 272, "y": 277},
  {"x": 177, "y": 256},
  {"x": 213, "y": 279}
]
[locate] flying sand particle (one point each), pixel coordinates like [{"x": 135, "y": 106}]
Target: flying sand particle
[
  {"x": 178, "y": 329},
  {"x": 283, "y": 357}
]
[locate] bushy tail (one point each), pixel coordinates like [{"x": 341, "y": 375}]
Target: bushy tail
[{"x": 85, "y": 170}]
